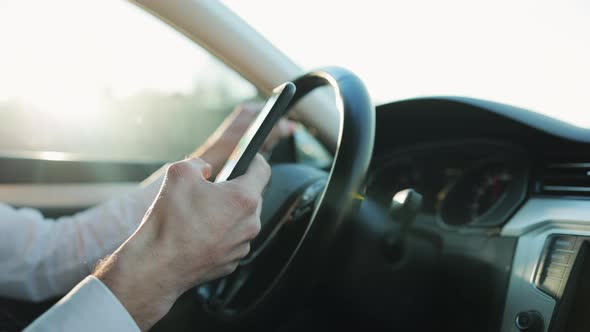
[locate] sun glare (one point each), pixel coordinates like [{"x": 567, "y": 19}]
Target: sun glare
[{"x": 52, "y": 155}]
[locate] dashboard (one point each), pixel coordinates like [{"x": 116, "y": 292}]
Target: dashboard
[
  {"x": 499, "y": 185},
  {"x": 473, "y": 184}
]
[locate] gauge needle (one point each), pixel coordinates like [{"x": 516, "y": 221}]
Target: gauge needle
[{"x": 495, "y": 189}]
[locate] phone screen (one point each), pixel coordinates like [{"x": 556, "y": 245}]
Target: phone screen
[{"x": 256, "y": 134}]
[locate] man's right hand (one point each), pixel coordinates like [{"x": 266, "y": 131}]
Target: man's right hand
[{"x": 195, "y": 231}]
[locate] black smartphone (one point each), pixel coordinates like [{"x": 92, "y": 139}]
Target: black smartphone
[{"x": 253, "y": 139}]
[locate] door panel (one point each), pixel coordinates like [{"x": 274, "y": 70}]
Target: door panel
[{"x": 59, "y": 187}]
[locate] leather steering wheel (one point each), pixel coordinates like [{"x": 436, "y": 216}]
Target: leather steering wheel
[{"x": 304, "y": 211}]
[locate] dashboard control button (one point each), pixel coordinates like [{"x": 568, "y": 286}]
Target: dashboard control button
[
  {"x": 560, "y": 258},
  {"x": 555, "y": 271},
  {"x": 551, "y": 286},
  {"x": 566, "y": 243},
  {"x": 556, "y": 264},
  {"x": 530, "y": 321}
]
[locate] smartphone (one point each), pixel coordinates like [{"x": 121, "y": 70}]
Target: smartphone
[{"x": 256, "y": 134}]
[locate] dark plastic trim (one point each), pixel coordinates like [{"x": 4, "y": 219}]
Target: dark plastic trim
[{"x": 530, "y": 118}]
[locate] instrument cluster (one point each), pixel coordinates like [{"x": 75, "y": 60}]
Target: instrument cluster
[{"x": 463, "y": 185}]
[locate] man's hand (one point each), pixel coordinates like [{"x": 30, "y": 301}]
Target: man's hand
[
  {"x": 194, "y": 232},
  {"x": 223, "y": 141}
]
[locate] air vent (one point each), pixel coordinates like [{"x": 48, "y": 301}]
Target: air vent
[{"x": 565, "y": 179}]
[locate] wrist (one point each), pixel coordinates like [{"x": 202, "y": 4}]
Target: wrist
[{"x": 143, "y": 291}]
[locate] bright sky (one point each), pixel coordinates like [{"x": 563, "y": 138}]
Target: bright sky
[
  {"x": 529, "y": 53},
  {"x": 61, "y": 54}
]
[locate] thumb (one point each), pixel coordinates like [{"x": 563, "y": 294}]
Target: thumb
[
  {"x": 201, "y": 167},
  {"x": 257, "y": 175}
]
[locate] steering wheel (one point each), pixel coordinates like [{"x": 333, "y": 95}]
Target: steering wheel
[{"x": 303, "y": 213}]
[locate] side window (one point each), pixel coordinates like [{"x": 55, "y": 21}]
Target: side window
[{"x": 105, "y": 80}]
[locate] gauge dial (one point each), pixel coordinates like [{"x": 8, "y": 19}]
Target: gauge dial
[
  {"x": 482, "y": 195},
  {"x": 488, "y": 192}
]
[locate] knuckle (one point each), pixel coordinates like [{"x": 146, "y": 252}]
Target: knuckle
[
  {"x": 196, "y": 163},
  {"x": 229, "y": 268},
  {"x": 250, "y": 202},
  {"x": 246, "y": 200},
  {"x": 253, "y": 229},
  {"x": 179, "y": 169},
  {"x": 246, "y": 250}
]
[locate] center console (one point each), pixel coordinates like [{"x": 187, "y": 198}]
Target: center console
[{"x": 549, "y": 288}]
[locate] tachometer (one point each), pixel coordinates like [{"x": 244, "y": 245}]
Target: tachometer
[
  {"x": 484, "y": 195},
  {"x": 489, "y": 191}
]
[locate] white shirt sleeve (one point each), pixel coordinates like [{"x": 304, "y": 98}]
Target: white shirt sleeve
[
  {"x": 89, "y": 307},
  {"x": 43, "y": 258}
]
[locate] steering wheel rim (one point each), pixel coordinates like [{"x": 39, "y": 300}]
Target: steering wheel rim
[{"x": 338, "y": 200}]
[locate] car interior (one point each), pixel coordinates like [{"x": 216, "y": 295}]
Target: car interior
[{"x": 434, "y": 213}]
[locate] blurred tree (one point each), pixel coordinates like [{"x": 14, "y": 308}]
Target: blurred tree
[{"x": 149, "y": 125}]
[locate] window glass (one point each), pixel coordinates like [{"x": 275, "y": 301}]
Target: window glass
[{"x": 106, "y": 80}]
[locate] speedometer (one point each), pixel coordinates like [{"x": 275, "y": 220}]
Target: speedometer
[{"x": 485, "y": 195}]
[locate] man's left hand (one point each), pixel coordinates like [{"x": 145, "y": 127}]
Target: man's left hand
[{"x": 219, "y": 146}]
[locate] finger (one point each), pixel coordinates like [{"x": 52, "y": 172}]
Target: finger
[
  {"x": 201, "y": 167},
  {"x": 242, "y": 117},
  {"x": 246, "y": 229},
  {"x": 229, "y": 268},
  {"x": 189, "y": 168},
  {"x": 221, "y": 271},
  {"x": 256, "y": 177},
  {"x": 237, "y": 122},
  {"x": 239, "y": 252},
  {"x": 259, "y": 208},
  {"x": 251, "y": 107}
]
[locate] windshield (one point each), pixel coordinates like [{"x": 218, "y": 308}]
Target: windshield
[{"x": 533, "y": 54}]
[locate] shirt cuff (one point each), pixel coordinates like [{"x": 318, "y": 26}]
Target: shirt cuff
[{"x": 90, "y": 306}]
